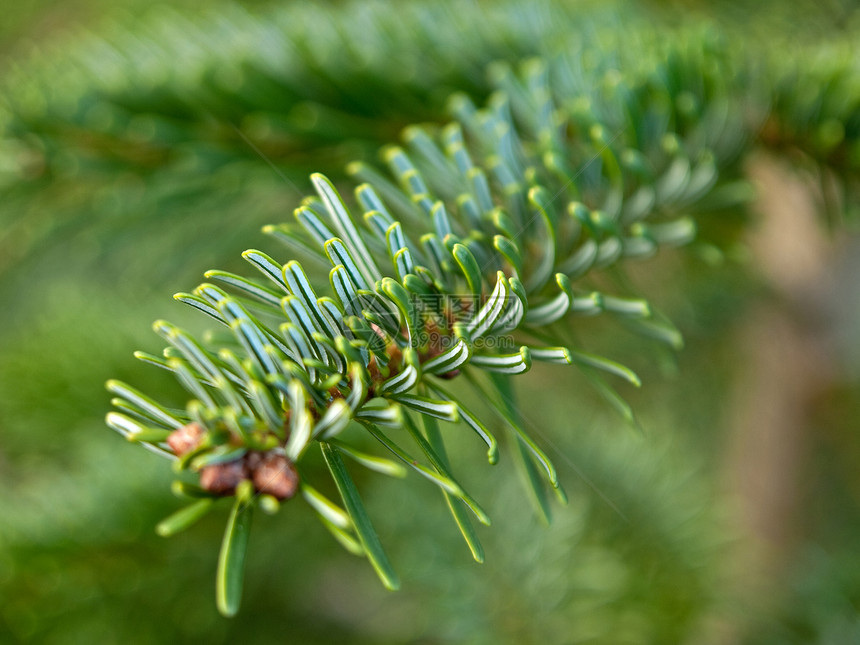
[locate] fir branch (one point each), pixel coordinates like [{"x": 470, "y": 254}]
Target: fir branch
[{"x": 483, "y": 234}]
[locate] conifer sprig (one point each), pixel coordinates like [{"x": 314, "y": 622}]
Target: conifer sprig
[{"x": 458, "y": 265}]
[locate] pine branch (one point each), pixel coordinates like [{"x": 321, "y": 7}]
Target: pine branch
[
  {"x": 481, "y": 237},
  {"x": 638, "y": 147}
]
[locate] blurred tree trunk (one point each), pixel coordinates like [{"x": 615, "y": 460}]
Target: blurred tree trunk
[{"x": 786, "y": 364}]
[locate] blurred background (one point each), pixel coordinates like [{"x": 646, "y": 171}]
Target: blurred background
[{"x": 142, "y": 144}]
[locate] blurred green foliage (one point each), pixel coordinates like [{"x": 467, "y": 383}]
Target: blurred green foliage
[{"x": 120, "y": 188}]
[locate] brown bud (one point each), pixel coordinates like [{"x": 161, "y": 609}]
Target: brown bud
[
  {"x": 252, "y": 461},
  {"x": 276, "y": 475},
  {"x": 186, "y": 438},
  {"x": 222, "y": 479}
]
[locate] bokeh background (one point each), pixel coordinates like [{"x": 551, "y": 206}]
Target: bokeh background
[{"x": 142, "y": 144}]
